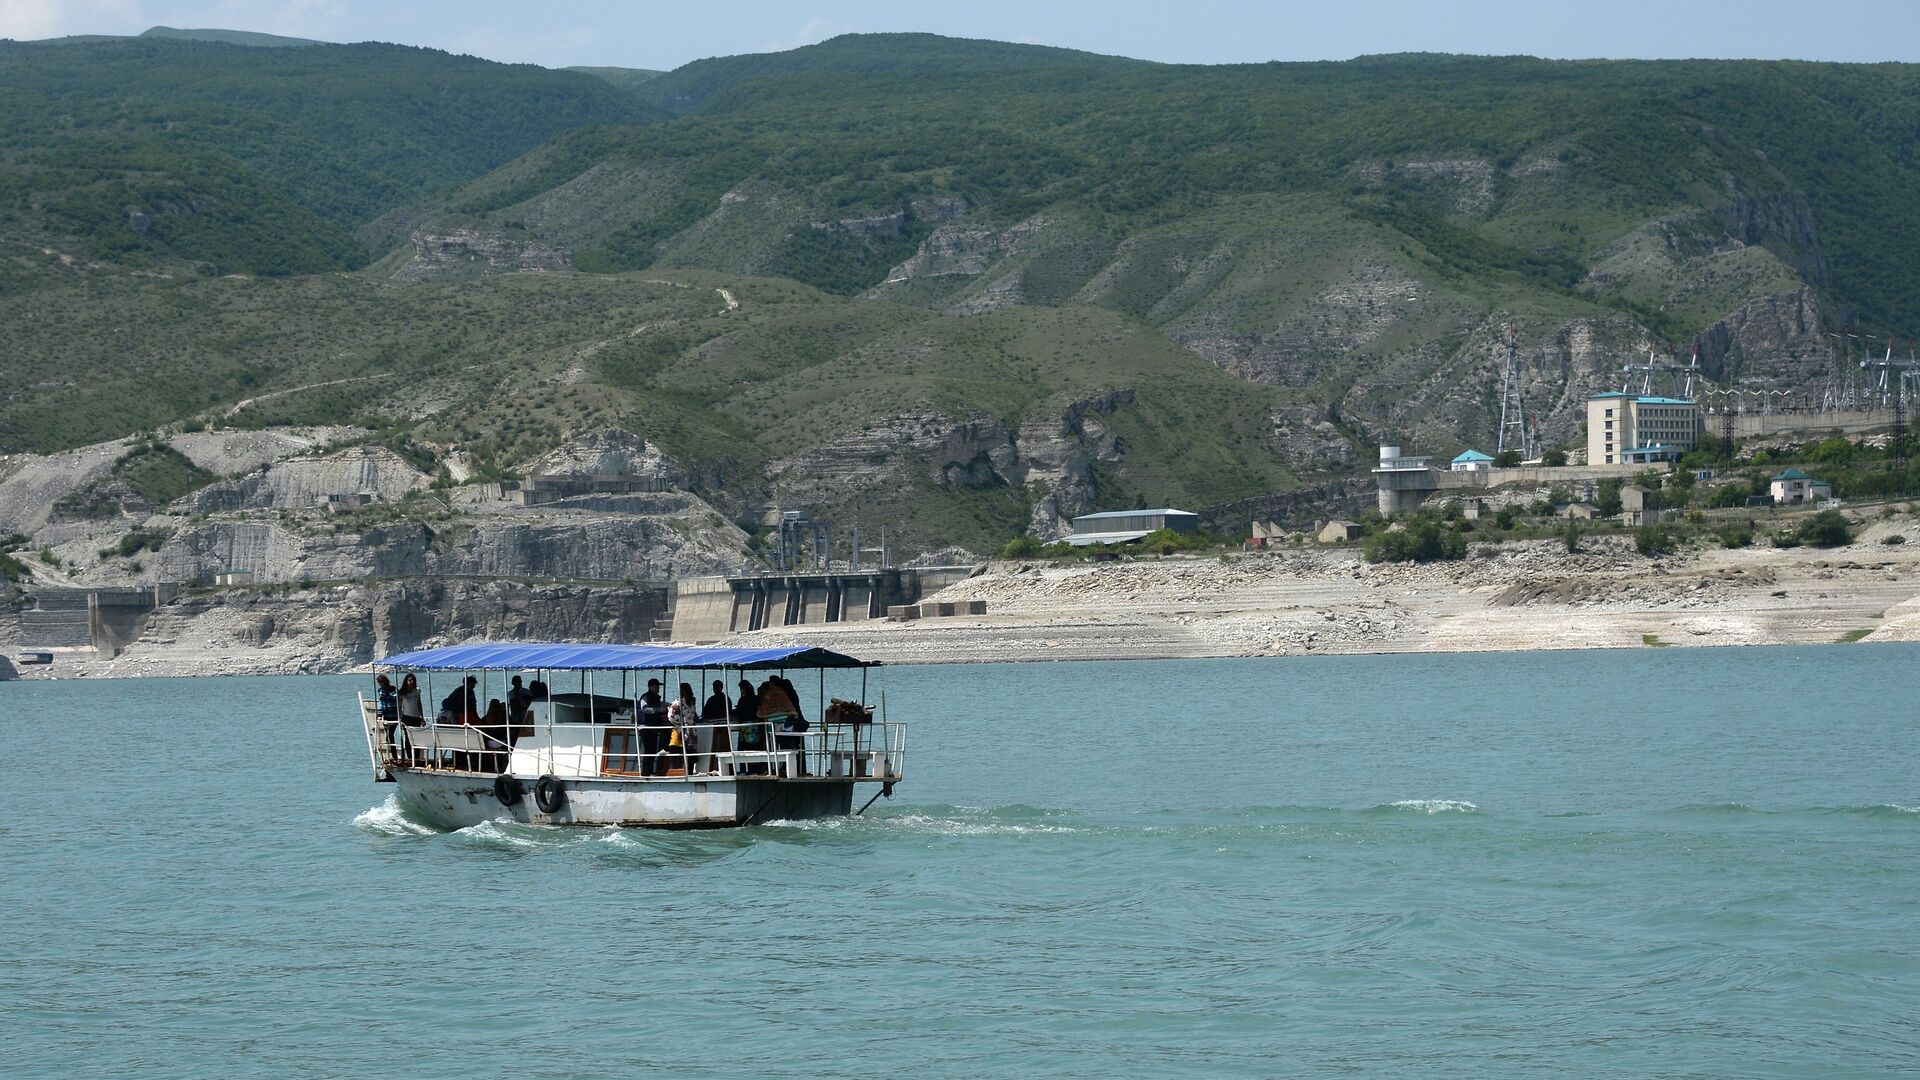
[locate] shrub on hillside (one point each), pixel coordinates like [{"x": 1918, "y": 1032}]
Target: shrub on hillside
[
  {"x": 1423, "y": 540},
  {"x": 1554, "y": 459},
  {"x": 1828, "y": 528},
  {"x": 1654, "y": 540},
  {"x": 1734, "y": 536},
  {"x": 1020, "y": 547}
]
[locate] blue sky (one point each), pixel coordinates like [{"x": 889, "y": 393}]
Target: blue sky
[{"x": 647, "y": 33}]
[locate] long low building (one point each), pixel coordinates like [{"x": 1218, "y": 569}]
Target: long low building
[{"x": 1125, "y": 526}]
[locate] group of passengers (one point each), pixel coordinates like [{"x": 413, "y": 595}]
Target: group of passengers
[
  {"x": 502, "y": 724},
  {"x": 683, "y": 732},
  {"x": 696, "y": 734}
]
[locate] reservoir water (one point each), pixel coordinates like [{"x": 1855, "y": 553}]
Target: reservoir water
[{"x": 1616, "y": 863}]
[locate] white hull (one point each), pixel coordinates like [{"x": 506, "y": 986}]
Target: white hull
[{"x": 456, "y": 800}]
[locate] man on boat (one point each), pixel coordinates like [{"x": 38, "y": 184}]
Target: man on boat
[
  {"x": 519, "y": 700},
  {"x": 461, "y": 707},
  {"x": 653, "y": 728}
]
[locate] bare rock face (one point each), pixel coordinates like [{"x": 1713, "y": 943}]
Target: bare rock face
[
  {"x": 612, "y": 452},
  {"x": 963, "y": 248},
  {"x": 1780, "y": 339},
  {"x": 1347, "y": 316},
  {"x": 438, "y": 253},
  {"x": 232, "y": 453},
  {"x": 333, "y": 628},
  {"x": 1308, "y": 440},
  {"x": 30, "y": 484},
  {"x": 680, "y": 536},
  {"x": 1057, "y": 452},
  {"x": 356, "y": 474},
  {"x": 1051, "y": 454}
]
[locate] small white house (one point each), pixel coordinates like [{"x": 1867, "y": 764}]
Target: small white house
[
  {"x": 1794, "y": 487},
  {"x": 1472, "y": 461}
]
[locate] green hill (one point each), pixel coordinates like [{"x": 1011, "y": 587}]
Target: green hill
[
  {"x": 630, "y": 79},
  {"x": 977, "y": 284},
  {"x": 257, "y": 160},
  {"x": 230, "y": 37}
]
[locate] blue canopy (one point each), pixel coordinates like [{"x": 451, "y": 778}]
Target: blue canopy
[{"x": 564, "y": 656}]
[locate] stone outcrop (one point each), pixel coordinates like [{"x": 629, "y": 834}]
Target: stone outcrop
[
  {"x": 964, "y": 248},
  {"x": 465, "y": 249},
  {"x": 334, "y": 628},
  {"x": 612, "y": 452},
  {"x": 1051, "y": 454},
  {"x": 346, "y": 477},
  {"x": 1780, "y": 339},
  {"x": 681, "y": 536}
]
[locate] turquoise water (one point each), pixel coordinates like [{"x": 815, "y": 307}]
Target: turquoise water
[{"x": 1617, "y": 863}]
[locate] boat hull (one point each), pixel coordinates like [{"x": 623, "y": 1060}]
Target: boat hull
[{"x": 456, "y": 800}]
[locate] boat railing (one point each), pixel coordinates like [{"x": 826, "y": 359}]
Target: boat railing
[{"x": 865, "y": 750}]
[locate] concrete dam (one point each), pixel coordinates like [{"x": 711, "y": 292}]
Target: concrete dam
[{"x": 709, "y": 609}]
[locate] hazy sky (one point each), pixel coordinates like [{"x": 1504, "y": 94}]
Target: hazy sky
[{"x": 650, "y": 34}]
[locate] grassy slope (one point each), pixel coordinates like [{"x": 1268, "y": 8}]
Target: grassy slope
[
  {"x": 512, "y": 364},
  {"x": 1580, "y": 153},
  {"x": 1214, "y": 206},
  {"x": 258, "y": 160}
]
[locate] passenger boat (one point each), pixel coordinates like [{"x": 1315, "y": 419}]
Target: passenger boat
[{"x": 588, "y": 752}]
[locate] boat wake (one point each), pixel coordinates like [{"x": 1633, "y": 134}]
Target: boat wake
[
  {"x": 390, "y": 819},
  {"x": 1426, "y": 806},
  {"x": 1013, "y": 820}
]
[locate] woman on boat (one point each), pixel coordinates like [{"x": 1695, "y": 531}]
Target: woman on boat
[
  {"x": 411, "y": 712},
  {"x": 684, "y": 715}
]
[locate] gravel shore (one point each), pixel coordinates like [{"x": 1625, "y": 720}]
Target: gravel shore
[{"x": 1515, "y": 597}]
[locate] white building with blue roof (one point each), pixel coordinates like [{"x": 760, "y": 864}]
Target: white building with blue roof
[{"x": 1472, "y": 461}]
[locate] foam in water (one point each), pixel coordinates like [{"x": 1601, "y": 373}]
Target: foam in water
[
  {"x": 1435, "y": 806},
  {"x": 388, "y": 819}
]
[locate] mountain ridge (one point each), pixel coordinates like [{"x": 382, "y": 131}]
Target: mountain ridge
[{"x": 969, "y": 287}]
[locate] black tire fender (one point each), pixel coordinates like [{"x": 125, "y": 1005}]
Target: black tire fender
[
  {"x": 550, "y": 794},
  {"x": 508, "y": 789}
]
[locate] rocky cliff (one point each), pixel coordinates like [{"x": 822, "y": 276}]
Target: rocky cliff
[
  {"x": 454, "y": 251},
  {"x": 673, "y": 535},
  {"x": 337, "y": 627}
]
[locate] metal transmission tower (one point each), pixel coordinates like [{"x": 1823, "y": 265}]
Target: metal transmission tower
[
  {"x": 1893, "y": 382},
  {"x": 1683, "y": 376},
  {"x": 1514, "y": 433}
]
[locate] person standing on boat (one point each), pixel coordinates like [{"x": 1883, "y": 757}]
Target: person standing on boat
[
  {"x": 412, "y": 713},
  {"x": 713, "y": 717},
  {"x": 653, "y": 730},
  {"x": 684, "y": 715},
  {"x": 751, "y": 734},
  {"x": 519, "y": 701},
  {"x": 387, "y": 706},
  {"x": 388, "y": 699}
]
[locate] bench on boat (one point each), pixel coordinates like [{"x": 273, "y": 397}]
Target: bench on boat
[{"x": 434, "y": 737}]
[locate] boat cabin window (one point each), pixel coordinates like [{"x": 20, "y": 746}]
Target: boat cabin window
[{"x": 620, "y": 752}]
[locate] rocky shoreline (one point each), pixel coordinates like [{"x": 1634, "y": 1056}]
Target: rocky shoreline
[
  {"x": 1520, "y": 597},
  {"x": 1306, "y": 601}
]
